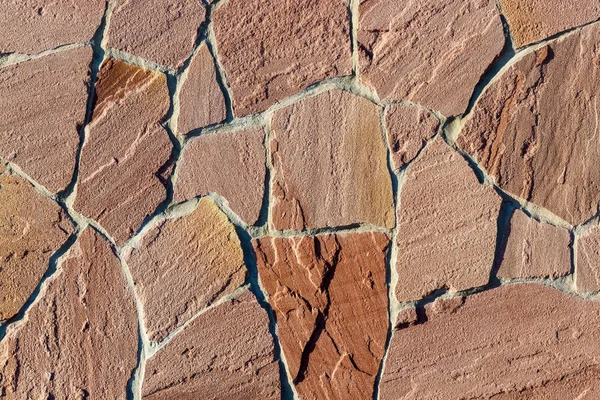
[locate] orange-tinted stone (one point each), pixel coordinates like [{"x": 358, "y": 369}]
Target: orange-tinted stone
[
  {"x": 329, "y": 295},
  {"x": 330, "y": 164},
  {"x": 587, "y": 272}
]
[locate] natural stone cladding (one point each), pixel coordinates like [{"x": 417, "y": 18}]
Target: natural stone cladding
[{"x": 299, "y": 200}]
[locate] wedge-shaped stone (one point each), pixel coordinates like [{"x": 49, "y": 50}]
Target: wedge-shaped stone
[
  {"x": 42, "y": 107},
  {"x": 587, "y": 273},
  {"x": 80, "y": 340},
  {"x": 126, "y": 149},
  {"x": 535, "y": 127},
  {"x": 330, "y": 300},
  {"x": 231, "y": 164},
  {"x": 225, "y": 353},
  {"x": 447, "y": 225},
  {"x": 280, "y": 48},
  {"x": 185, "y": 264},
  {"x": 523, "y": 341},
  {"x": 330, "y": 164},
  {"x": 430, "y": 52}
]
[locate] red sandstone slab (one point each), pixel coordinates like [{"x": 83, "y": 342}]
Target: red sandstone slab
[{"x": 587, "y": 272}]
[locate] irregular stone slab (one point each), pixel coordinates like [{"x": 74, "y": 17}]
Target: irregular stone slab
[
  {"x": 126, "y": 149},
  {"x": 32, "y": 228},
  {"x": 81, "y": 338},
  {"x": 523, "y": 341},
  {"x": 225, "y": 353},
  {"x": 409, "y": 128},
  {"x": 587, "y": 272},
  {"x": 534, "y": 129},
  {"x": 534, "y": 249},
  {"x": 280, "y": 48},
  {"x": 231, "y": 164},
  {"x": 31, "y": 27},
  {"x": 42, "y": 107},
  {"x": 161, "y": 31},
  {"x": 198, "y": 257},
  {"x": 430, "y": 52},
  {"x": 536, "y": 20},
  {"x": 447, "y": 225},
  {"x": 329, "y": 295},
  {"x": 330, "y": 164}
]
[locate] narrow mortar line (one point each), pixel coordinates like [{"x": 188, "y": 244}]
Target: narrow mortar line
[
  {"x": 16, "y": 58},
  {"x": 211, "y": 44},
  {"x": 270, "y": 174},
  {"x": 353, "y": 11}
]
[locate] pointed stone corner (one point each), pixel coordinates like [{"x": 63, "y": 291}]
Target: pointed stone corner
[
  {"x": 126, "y": 150},
  {"x": 198, "y": 257},
  {"x": 534, "y": 249},
  {"x": 225, "y": 353},
  {"x": 80, "y": 338},
  {"x": 282, "y": 48},
  {"x": 447, "y": 225},
  {"x": 429, "y": 52},
  {"x": 230, "y": 164},
  {"x": 516, "y": 341},
  {"x": 330, "y": 300},
  {"x": 535, "y": 128},
  {"x": 330, "y": 164},
  {"x": 587, "y": 273}
]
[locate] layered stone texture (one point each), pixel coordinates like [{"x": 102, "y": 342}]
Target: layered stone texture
[
  {"x": 524, "y": 341},
  {"x": 280, "y": 47},
  {"x": 330, "y": 164},
  {"x": 534, "y": 129},
  {"x": 446, "y": 225},
  {"x": 587, "y": 273},
  {"x": 330, "y": 300},
  {"x": 80, "y": 340},
  {"x": 42, "y": 107},
  {"x": 126, "y": 150},
  {"x": 197, "y": 256},
  {"x": 210, "y": 360},
  {"x": 430, "y": 52},
  {"x": 230, "y": 164}
]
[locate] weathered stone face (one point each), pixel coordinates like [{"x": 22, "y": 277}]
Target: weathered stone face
[{"x": 587, "y": 274}]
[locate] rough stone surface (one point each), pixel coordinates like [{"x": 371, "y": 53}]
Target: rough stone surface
[
  {"x": 534, "y": 249},
  {"x": 587, "y": 274},
  {"x": 430, "y": 52},
  {"x": 330, "y": 301},
  {"x": 32, "y": 26},
  {"x": 330, "y": 164},
  {"x": 231, "y": 164},
  {"x": 535, "y": 128},
  {"x": 408, "y": 128},
  {"x": 280, "y": 47},
  {"x": 446, "y": 225},
  {"x": 126, "y": 149},
  {"x": 524, "y": 341},
  {"x": 535, "y": 20},
  {"x": 42, "y": 106},
  {"x": 32, "y": 228},
  {"x": 225, "y": 353},
  {"x": 197, "y": 256},
  {"x": 161, "y": 31},
  {"x": 80, "y": 340},
  {"x": 201, "y": 99}
]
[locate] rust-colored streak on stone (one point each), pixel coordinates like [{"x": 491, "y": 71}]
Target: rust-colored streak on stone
[
  {"x": 430, "y": 52},
  {"x": 535, "y": 250},
  {"x": 126, "y": 150},
  {"x": 409, "y": 129},
  {"x": 230, "y": 164},
  {"x": 161, "y": 31},
  {"x": 447, "y": 225},
  {"x": 197, "y": 257},
  {"x": 42, "y": 106},
  {"x": 523, "y": 341},
  {"x": 32, "y": 26},
  {"x": 587, "y": 274},
  {"x": 535, "y": 128},
  {"x": 201, "y": 99},
  {"x": 330, "y": 164},
  {"x": 32, "y": 228},
  {"x": 280, "y": 48},
  {"x": 329, "y": 297},
  {"x": 80, "y": 340},
  {"x": 226, "y": 353}
]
